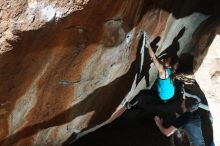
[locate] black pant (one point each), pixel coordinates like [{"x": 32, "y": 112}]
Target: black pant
[{"x": 150, "y": 100}]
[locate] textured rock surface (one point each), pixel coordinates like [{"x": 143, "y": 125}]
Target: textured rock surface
[
  {"x": 65, "y": 66},
  {"x": 24, "y": 15},
  {"x": 53, "y": 77},
  {"x": 208, "y": 69}
]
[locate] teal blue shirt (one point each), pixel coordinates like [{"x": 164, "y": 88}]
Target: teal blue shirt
[{"x": 165, "y": 87}]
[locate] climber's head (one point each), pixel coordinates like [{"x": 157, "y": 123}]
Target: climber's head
[{"x": 170, "y": 61}]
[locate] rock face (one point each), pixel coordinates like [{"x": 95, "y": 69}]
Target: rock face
[
  {"x": 65, "y": 66},
  {"x": 207, "y": 69}
]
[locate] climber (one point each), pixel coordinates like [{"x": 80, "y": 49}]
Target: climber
[
  {"x": 165, "y": 67},
  {"x": 189, "y": 120},
  {"x": 164, "y": 88}
]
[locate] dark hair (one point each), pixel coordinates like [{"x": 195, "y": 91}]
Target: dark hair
[
  {"x": 192, "y": 104},
  {"x": 173, "y": 62},
  {"x": 174, "y": 59}
]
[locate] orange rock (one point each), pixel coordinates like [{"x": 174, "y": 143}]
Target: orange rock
[{"x": 65, "y": 66}]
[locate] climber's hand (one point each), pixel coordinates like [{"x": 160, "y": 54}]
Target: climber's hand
[
  {"x": 146, "y": 40},
  {"x": 158, "y": 121}
]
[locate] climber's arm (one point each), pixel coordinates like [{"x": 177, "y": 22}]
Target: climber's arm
[
  {"x": 153, "y": 57},
  {"x": 166, "y": 131}
]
